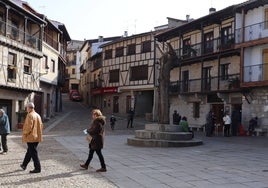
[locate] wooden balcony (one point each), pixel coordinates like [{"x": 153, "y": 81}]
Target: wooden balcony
[{"x": 13, "y": 35}]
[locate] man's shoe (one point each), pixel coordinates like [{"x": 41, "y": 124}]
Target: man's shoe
[
  {"x": 84, "y": 166},
  {"x": 35, "y": 171},
  {"x": 101, "y": 170},
  {"x": 23, "y": 167},
  {"x": 3, "y": 153}
]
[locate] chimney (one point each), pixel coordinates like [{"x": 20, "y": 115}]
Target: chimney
[
  {"x": 212, "y": 10},
  {"x": 100, "y": 39},
  {"x": 125, "y": 33},
  {"x": 187, "y": 17}
]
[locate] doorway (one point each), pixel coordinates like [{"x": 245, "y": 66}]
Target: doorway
[
  {"x": 218, "y": 111},
  {"x": 115, "y": 104}
]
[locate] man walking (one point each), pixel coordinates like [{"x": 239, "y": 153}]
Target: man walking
[
  {"x": 4, "y": 131},
  {"x": 130, "y": 118},
  {"x": 32, "y": 135}
]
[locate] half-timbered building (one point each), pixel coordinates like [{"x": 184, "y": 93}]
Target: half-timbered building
[
  {"x": 127, "y": 75},
  {"x": 20, "y": 57}
]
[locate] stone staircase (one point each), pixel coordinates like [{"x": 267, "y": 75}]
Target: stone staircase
[{"x": 163, "y": 135}]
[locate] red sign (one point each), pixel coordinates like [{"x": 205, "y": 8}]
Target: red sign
[{"x": 104, "y": 90}]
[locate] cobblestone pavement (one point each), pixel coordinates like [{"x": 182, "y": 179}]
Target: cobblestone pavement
[{"x": 233, "y": 162}]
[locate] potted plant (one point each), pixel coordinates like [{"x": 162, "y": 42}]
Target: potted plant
[{"x": 21, "y": 117}]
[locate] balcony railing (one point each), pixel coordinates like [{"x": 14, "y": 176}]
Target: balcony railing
[
  {"x": 13, "y": 33},
  {"x": 220, "y": 83},
  {"x": 63, "y": 52},
  {"x": 252, "y": 32},
  {"x": 51, "y": 42},
  {"x": 208, "y": 47},
  {"x": 255, "y": 73}
]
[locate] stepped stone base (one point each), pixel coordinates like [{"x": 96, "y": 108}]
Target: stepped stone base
[{"x": 163, "y": 135}]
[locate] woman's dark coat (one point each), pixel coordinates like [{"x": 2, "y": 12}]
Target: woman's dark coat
[{"x": 97, "y": 132}]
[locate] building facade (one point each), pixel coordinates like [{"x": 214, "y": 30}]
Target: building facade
[
  {"x": 251, "y": 38},
  {"x": 72, "y": 72},
  {"x": 22, "y": 63},
  {"x": 91, "y": 58},
  {"x": 222, "y": 65},
  {"x": 21, "y": 53},
  {"x": 126, "y": 78}
]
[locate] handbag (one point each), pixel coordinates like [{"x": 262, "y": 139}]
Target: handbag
[{"x": 89, "y": 138}]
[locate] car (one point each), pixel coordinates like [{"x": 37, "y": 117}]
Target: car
[
  {"x": 71, "y": 92},
  {"x": 75, "y": 96}
]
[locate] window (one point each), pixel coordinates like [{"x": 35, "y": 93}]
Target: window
[
  {"x": 139, "y": 73},
  {"x": 119, "y": 52},
  {"x": 196, "y": 109},
  {"x": 53, "y": 65},
  {"x": 185, "y": 81},
  {"x": 131, "y": 49},
  {"x": 186, "y": 47},
  {"x": 11, "y": 69},
  {"x": 114, "y": 76},
  {"x": 44, "y": 63},
  {"x": 224, "y": 71},
  {"x": 146, "y": 46},
  {"x": 27, "y": 68},
  {"x": 108, "y": 54},
  {"x": 226, "y": 38},
  {"x": 226, "y": 35},
  {"x": 206, "y": 79},
  {"x": 73, "y": 71},
  {"x": 208, "y": 42}
]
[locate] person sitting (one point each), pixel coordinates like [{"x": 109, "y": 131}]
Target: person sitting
[{"x": 185, "y": 126}]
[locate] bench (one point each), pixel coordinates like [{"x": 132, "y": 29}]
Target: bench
[{"x": 260, "y": 131}]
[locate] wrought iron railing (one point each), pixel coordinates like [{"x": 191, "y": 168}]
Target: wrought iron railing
[
  {"x": 252, "y": 32},
  {"x": 50, "y": 41},
  {"x": 208, "y": 47},
  {"x": 217, "y": 83},
  {"x": 254, "y": 73}
]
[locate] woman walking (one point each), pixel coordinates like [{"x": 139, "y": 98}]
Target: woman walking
[{"x": 96, "y": 131}]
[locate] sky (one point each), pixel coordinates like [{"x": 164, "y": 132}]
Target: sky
[{"x": 88, "y": 19}]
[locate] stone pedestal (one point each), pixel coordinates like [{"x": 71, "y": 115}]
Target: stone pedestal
[{"x": 162, "y": 135}]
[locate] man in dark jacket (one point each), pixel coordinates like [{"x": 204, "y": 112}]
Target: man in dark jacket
[{"x": 130, "y": 118}]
